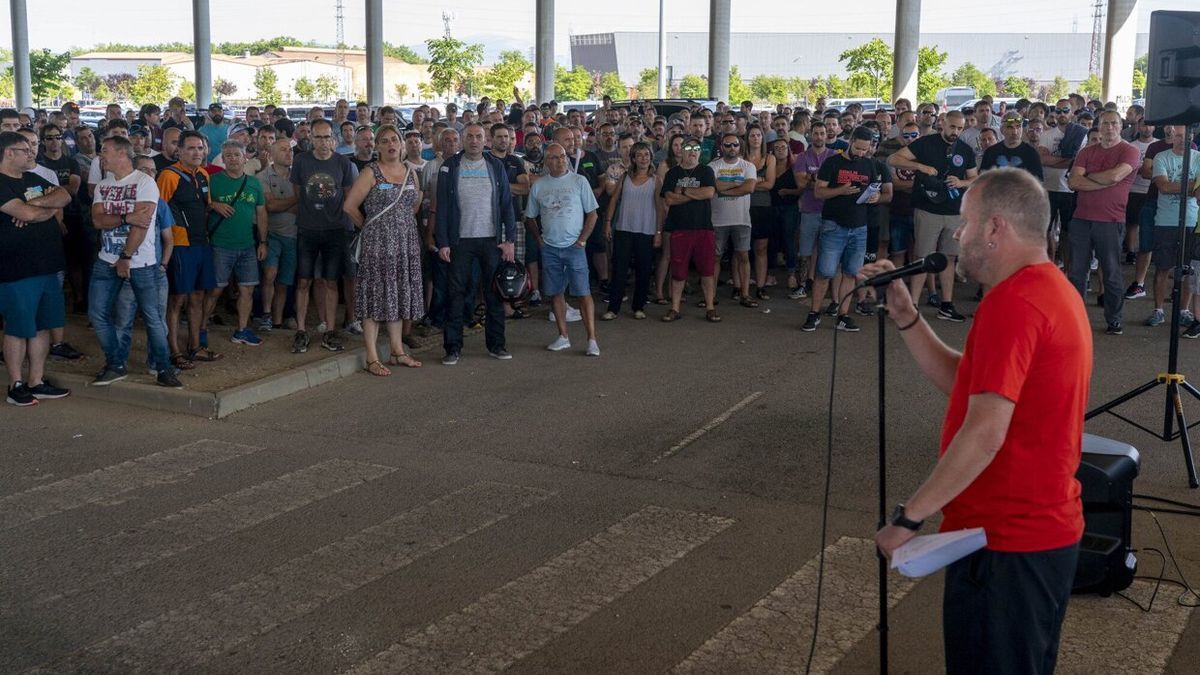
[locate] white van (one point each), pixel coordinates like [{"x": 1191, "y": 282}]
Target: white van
[
  {"x": 868, "y": 104},
  {"x": 953, "y": 98}
]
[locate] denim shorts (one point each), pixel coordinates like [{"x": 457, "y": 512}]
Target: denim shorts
[
  {"x": 564, "y": 270},
  {"x": 738, "y": 235},
  {"x": 901, "y": 234},
  {"x": 281, "y": 255},
  {"x": 32, "y": 304},
  {"x": 241, "y": 262},
  {"x": 810, "y": 231},
  {"x": 844, "y": 246}
]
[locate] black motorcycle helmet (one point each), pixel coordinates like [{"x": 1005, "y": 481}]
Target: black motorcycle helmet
[{"x": 511, "y": 281}]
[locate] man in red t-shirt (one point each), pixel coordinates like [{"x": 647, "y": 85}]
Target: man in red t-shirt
[
  {"x": 1101, "y": 178},
  {"x": 1011, "y": 438}
]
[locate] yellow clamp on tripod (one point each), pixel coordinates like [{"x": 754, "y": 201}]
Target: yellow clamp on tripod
[{"x": 1168, "y": 378}]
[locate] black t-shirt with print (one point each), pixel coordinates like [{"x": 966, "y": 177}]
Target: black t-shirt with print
[
  {"x": 930, "y": 193},
  {"x": 35, "y": 249},
  {"x": 1024, "y": 156},
  {"x": 841, "y": 170},
  {"x": 64, "y": 167},
  {"x": 697, "y": 213}
]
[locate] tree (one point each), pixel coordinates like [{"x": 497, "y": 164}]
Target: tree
[
  {"x": 1058, "y": 90},
  {"x": 611, "y": 85},
  {"x": 305, "y": 91},
  {"x": 647, "y": 86},
  {"x": 46, "y": 74},
  {"x": 500, "y": 79},
  {"x": 799, "y": 88},
  {"x": 119, "y": 84},
  {"x": 402, "y": 91},
  {"x": 930, "y": 77},
  {"x": 154, "y": 84},
  {"x": 327, "y": 86},
  {"x": 738, "y": 89},
  {"x": 1141, "y": 67},
  {"x": 222, "y": 88},
  {"x": 969, "y": 75},
  {"x": 87, "y": 82},
  {"x": 872, "y": 63},
  {"x": 1017, "y": 87},
  {"x": 7, "y": 87},
  {"x": 266, "y": 89},
  {"x": 404, "y": 53},
  {"x": 572, "y": 85},
  {"x": 187, "y": 90},
  {"x": 772, "y": 88},
  {"x": 451, "y": 62},
  {"x": 693, "y": 86},
  {"x": 425, "y": 91},
  {"x": 1092, "y": 87}
]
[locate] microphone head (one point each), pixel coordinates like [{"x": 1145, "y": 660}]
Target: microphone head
[{"x": 934, "y": 262}]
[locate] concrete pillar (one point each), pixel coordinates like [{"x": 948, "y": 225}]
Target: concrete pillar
[
  {"x": 662, "y": 51},
  {"x": 22, "y": 83},
  {"x": 375, "y": 92},
  {"x": 544, "y": 59},
  {"x": 202, "y": 54},
  {"x": 904, "y": 56},
  {"x": 718, "y": 50},
  {"x": 1120, "y": 43}
]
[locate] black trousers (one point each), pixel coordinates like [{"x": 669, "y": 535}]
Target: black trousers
[
  {"x": 462, "y": 259},
  {"x": 638, "y": 249},
  {"x": 1002, "y": 612}
]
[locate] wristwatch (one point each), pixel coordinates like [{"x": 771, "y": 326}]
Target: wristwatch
[
  {"x": 125, "y": 256},
  {"x": 899, "y": 520}
]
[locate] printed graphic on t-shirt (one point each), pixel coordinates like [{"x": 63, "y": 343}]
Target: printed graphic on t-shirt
[
  {"x": 116, "y": 200},
  {"x": 850, "y": 176},
  {"x": 730, "y": 174},
  {"x": 321, "y": 188},
  {"x": 33, "y": 192},
  {"x": 555, "y": 202}
]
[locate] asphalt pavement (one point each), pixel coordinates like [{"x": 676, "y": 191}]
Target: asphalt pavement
[{"x": 657, "y": 509}]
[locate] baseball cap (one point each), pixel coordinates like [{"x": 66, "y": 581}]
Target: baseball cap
[
  {"x": 215, "y": 106},
  {"x": 1013, "y": 118},
  {"x": 412, "y": 132}
]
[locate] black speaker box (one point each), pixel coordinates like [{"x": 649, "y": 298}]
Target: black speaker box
[
  {"x": 1173, "y": 83},
  {"x": 1106, "y": 474}
]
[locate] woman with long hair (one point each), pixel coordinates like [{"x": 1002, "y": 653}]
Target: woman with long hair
[
  {"x": 632, "y": 225},
  {"x": 785, "y": 200},
  {"x": 674, "y": 156},
  {"x": 389, "y": 288},
  {"x": 762, "y": 215}
]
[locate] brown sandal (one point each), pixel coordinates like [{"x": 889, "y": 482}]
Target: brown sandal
[
  {"x": 404, "y": 360},
  {"x": 205, "y": 355},
  {"x": 377, "y": 369},
  {"x": 712, "y": 317},
  {"x": 747, "y": 302},
  {"x": 670, "y": 316},
  {"x": 182, "y": 362}
]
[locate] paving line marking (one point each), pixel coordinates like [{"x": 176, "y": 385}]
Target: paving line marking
[
  {"x": 187, "y": 637},
  {"x": 527, "y": 613},
  {"x": 71, "y": 493},
  {"x": 1110, "y": 635},
  {"x": 773, "y": 636},
  {"x": 176, "y": 533},
  {"x": 712, "y": 424}
]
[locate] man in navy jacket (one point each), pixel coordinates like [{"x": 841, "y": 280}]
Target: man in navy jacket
[{"x": 475, "y": 222}]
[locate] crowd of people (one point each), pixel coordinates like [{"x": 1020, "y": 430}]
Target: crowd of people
[{"x": 379, "y": 221}]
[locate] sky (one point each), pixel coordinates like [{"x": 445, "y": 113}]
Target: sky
[{"x": 77, "y": 23}]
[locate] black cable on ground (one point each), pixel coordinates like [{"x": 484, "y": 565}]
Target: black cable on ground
[{"x": 1161, "y": 578}]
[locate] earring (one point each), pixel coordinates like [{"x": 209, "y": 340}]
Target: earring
[{"x": 991, "y": 244}]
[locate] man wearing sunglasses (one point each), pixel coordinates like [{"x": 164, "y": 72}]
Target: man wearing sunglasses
[
  {"x": 736, "y": 179},
  {"x": 1013, "y": 150}
]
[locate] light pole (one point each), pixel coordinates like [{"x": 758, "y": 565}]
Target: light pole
[{"x": 662, "y": 51}]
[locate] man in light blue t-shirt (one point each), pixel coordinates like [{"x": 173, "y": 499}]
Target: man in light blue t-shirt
[
  {"x": 1167, "y": 174},
  {"x": 567, "y": 207}
]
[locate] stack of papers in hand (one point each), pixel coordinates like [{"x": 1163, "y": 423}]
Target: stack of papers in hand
[{"x": 929, "y": 553}]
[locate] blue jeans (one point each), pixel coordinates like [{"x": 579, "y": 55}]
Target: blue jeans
[
  {"x": 465, "y": 259},
  {"x": 840, "y": 246},
  {"x": 126, "y": 310},
  {"x": 114, "y": 336}
]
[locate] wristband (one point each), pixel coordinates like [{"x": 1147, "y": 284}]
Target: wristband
[{"x": 912, "y": 323}]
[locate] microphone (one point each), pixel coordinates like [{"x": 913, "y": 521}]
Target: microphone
[{"x": 934, "y": 262}]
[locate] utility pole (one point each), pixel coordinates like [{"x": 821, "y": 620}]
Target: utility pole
[
  {"x": 341, "y": 35},
  {"x": 1094, "y": 60}
]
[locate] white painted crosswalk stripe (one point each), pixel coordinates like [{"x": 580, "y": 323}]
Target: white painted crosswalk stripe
[
  {"x": 71, "y": 493},
  {"x": 774, "y": 635},
  {"x": 197, "y": 632},
  {"x": 171, "y": 535},
  {"x": 504, "y": 626},
  {"x": 1110, "y": 635}
]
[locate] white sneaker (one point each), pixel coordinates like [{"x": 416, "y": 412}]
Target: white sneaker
[
  {"x": 573, "y": 315},
  {"x": 593, "y": 349},
  {"x": 560, "y": 343},
  {"x": 321, "y": 327},
  {"x": 354, "y": 328}
]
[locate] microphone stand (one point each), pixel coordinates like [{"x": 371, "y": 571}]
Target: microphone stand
[{"x": 880, "y": 313}]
